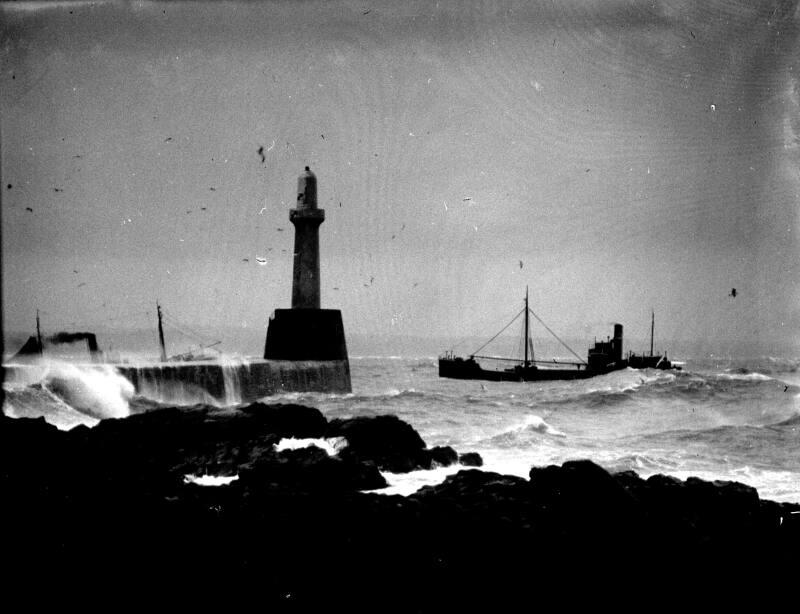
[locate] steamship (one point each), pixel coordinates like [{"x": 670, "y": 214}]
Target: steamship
[{"x": 604, "y": 357}]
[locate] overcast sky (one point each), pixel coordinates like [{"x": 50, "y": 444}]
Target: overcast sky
[{"x": 612, "y": 155}]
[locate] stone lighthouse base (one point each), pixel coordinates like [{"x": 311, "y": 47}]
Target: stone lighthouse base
[{"x": 315, "y": 335}]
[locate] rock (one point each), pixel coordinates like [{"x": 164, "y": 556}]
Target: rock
[
  {"x": 470, "y": 459},
  {"x": 442, "y": 456},
  {"x": 393, "y": 445},
  {"x": 288, "y": 420},
  {"x": 311, "y": 469}
]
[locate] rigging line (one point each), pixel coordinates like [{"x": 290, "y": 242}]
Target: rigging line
[
  {"x": 479, "y": 334},
  {"x": 191, "y": 335},
  {"x": 556, "y": 336},
  {"x": 183, "y": 327},
  {"x": 498, "y": 334}
]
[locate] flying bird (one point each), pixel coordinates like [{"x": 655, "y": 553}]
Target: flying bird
[
  {"x": 245, "y": 260},
  {"x": 261, "y": 153},
  {"x": 279, "y": 229},
  {"x": 520, "y": 264},
  {"x": 168, "y": 139},
  {"x": 57, "y": 190},
  {"x": 213, "y": 189},
  {"x": 732, "y": 293},
  {"x": 28, "y": 209},
  {"x": 261, "y": 261}
]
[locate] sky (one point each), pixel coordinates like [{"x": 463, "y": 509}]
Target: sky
[{"x": 612, "y": 156}]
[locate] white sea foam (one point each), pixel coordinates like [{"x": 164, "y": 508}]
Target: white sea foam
[
  {"x": 745, "y": 377},
  {"x": 96, "y": 390},
  {"x": 331, "y": 445},
  {"x": 537, "y": 423},
  {"x": 408, "y": 483},
  {"x": 209, "y": 480}
]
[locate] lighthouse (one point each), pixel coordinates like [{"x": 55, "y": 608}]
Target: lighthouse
[
  {"x": 306, "y": 332},
  {"x": 306, "y": 219}
]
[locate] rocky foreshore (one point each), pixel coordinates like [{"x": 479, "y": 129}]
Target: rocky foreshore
[{"x": 111, "y": 504}]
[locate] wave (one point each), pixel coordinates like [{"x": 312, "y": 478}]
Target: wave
[
  {"x": 531, "y": 430},
  {"x": 331, "y": 445},
  {"x": 745, "y": 375},
  {"x": 66, "y": 394}
]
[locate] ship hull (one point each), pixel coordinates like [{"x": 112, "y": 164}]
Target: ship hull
[{"x": 457, "y": 368}]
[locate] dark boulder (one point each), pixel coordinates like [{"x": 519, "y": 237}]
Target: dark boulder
[
  {"x": 442, "y": 456},
  {"x": 470, "y": 459},
  {"x": 311, "y": 469},
  {"x": 393, "y": 445},
  {"x": 287, "y": 420}
]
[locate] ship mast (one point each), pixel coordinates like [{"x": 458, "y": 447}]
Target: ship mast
[
  {"x": 526, "y": 327},
  {"x": 161, "y": 334},
  {"x": 38, "y": 334},
  {"x": 652, "y": 328}
]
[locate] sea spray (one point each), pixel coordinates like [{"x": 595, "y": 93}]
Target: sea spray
[
  {"x": 66, "y": 394},
  {"x": 231, "y": 368},
  {"x": 331, "y": 445},
  {"x": 96, "y": 390}
]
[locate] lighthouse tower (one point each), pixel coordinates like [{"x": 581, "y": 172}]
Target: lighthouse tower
[
  {"x": 306, "y": 332},
  {"x": 306, "y": 219}
]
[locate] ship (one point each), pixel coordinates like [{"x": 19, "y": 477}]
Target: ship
[
  {"x": 304, "y": 351},
  {"x": 604, "y": 357}
]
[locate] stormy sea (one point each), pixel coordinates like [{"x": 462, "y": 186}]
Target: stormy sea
[{"x": 716, "y": 419}]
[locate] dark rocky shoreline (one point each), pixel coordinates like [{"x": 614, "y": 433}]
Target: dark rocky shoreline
[{"x": 110, "y": 505}]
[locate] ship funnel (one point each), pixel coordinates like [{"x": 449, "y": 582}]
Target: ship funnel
[{"x": 616, "y": 344}]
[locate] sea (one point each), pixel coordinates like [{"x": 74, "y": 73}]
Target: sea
[{"x": 716, "y": 419}]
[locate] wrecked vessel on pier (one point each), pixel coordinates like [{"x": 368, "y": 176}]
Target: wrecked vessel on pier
[{"x": 604, "y": 357}]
